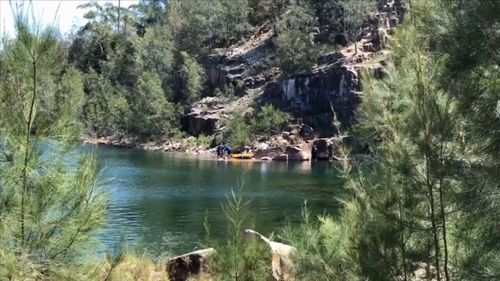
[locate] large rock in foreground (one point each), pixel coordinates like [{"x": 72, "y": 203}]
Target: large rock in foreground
[
  {"x": 181, "y": 268},
  {"x": 281, "y": 256}
]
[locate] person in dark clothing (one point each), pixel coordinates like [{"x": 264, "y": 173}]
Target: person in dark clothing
[
  {"x": 314, "y": 152},
  {"x": 330, "y": 151},
  {"x": 228, "y": 150},
  {"x": 220, "y": 150}
]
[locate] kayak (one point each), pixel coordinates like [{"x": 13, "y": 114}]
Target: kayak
[{"x": 242, "y": 156}]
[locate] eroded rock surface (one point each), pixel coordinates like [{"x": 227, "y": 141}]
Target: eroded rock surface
[
  {"x": 282, "y": 266},
  {"x": 181, "y": 268}
]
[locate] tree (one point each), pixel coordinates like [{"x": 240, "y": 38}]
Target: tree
[
  {"x": 152, "y": 114},
  {"x": 234, "y": 19},
  {"x": 49, "y": 206},
  {"x": 191, "y": 78},
  {"x": 428, "y": 203},
  {"x": 106, "y": 111},
  {"x": 239, "y": 131},
  {"x": 152, "y": 12},
  {"x": 269, "y": 121},
  {"x": 469, "y": 38},
  {"x": 267, "y": 10},
  {"x": 354, "y": 15},
  {"x": 295, "y": 48},
  {"x": 240, "y": 258},
  {"x": 157, "y": 53},
  {"x": 194, "y": 24}
]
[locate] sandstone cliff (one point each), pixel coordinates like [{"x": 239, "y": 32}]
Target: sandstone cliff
[{"x": 334, "y": 83}]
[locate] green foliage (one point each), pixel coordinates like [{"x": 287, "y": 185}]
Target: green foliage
[
  {"x": 324, "y": 248},
  {"x": 428, "y": 203},
  {"x": 240, "y": 258},
  {"x": 49, "y": 205},
  {"x": 157, "y": 52},
  {"x": 470, "y": 40},
  {"x": 239, "y": 131},
  {"x": 205, "y": 141},
  {"x": 267, "y": 10},
  {"x": 118, "y": 68},
  {"x": 234, "y": 19},
  {"x": 295, "y": 48},
  {"x": 269, "y": 121},
  {"x": 191, "y": 24},
  {"x": 191, "y": 78},
  {"x": 105, "y": 111},
  {"x": 355, "y": 14},
  {"x": 242, "y": 130},
  {"x": 227, "y": 92},
  {"x": 198, "y": 24},
  {"x": 152, "y": 114}
]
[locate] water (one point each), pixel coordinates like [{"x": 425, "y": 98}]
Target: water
[{"x": 159, "y": 200}]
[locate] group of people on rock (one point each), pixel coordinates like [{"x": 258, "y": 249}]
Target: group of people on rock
[{"x": 224, "y": 150}]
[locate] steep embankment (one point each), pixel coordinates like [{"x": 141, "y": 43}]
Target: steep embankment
[{"x": 310, "y": 96}]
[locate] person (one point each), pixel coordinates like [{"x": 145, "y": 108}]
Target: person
[
  {"x": 330, "y": 151},
  {"x": 228, "y": 150},
  {"x": 220, "y": 150},
  {"x": 314, "y": 152},
  {"x": 246, "y": 149}
]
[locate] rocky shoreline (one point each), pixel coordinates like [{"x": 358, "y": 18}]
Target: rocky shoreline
[
  {"x": 187, "y": 145},
  {"x": 277, "y": 149}
]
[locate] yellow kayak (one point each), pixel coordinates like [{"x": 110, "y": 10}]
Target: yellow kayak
[{"x": 242, "y": 156}]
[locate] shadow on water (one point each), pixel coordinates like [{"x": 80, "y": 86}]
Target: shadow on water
[{"x": 159, "y": 200}]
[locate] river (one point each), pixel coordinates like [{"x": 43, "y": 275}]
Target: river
[{"x": 158, "y": 201}]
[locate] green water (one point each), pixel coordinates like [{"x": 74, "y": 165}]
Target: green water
[{"x": 159, "y": 200}]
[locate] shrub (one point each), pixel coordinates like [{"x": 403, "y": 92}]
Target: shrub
[
  {"x": 239, "y": 258},
  {"x": 295, "y": 48},
  {"x": 242, "y": 130},
  {"x": 270, "y": 121}
]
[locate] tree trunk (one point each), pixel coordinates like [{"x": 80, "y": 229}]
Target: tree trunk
[{"x": 24, "y": 173}]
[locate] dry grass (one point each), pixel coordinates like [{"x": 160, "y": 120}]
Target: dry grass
[{"x": 134, "y": 269}]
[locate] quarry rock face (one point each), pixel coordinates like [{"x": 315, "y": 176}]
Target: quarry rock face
[
  {"x": 312, "y": 94},
  {"x": 333, "y": 85},
  {"x": 204, "y": 117}
]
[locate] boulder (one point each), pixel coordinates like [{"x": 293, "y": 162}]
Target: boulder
[
  {"x": 322, "y": 146},
  {"x": 269, "y": 152},
  {"x": 281, "y": 157},
  {"x": 296, "y": 154},
  {"x": 282, "y": 265},
  {"x": 292, "y": 153},
  {"x": 183, "y": 267},
  {"x": 306, "y": 132}
]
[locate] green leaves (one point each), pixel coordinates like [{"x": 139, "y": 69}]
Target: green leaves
[
  {"x": 49, "y": 203},
  {"x": 295, "y": 48},
  {"x": 242, "y": 129}
]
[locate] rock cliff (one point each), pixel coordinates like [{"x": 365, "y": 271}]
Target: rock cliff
[{"x": 334, "y": 83}]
